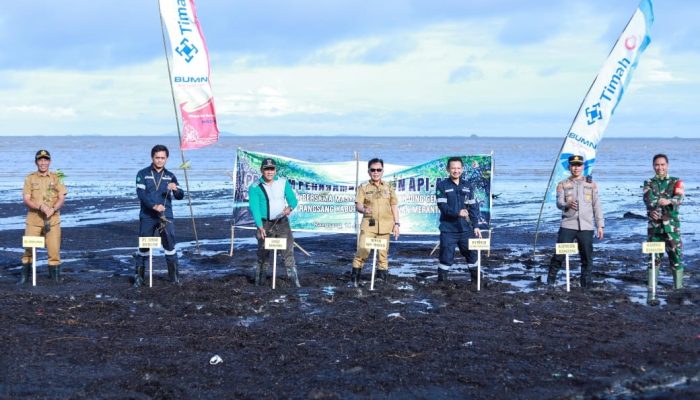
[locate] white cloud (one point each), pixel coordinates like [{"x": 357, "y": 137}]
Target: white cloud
[{"x": 39, "y": 111}]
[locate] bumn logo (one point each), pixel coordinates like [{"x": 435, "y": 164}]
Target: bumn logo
[{"x": 187, "y": 50}]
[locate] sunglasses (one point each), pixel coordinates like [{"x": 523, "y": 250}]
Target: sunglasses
[{"x": 375, "y": 170}]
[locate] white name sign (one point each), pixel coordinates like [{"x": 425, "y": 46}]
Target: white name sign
[
  {"x": 149, "y": 242},
  {"x": 275, "y": 243},
  {"x": 33, "y": 241},
  {"x": 374, "y": 243},
  {"x": 479, "y": 244},
  {"x": 653, "y": 247},
  {"x": 567, "y": 248}
]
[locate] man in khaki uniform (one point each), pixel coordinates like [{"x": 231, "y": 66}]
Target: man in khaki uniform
[
  {"x": 44, "y": 194},
  {"x": 377, "y": 202}
]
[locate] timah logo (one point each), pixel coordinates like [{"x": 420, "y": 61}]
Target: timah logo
[
  {"x": 186, "y": 50},
  {"x": 593, "y": 113}
]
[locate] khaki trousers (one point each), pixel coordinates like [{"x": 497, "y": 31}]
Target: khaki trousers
[
  {"x": 363, "y": 253},
  {"x": 53, "y": 243}
]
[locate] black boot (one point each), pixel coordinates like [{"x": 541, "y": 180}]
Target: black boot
[
  {"x": 260, "y": 275},
  {"x": 173, "y": 270},
  {"x": 355, "y": 277},
  {"x": 24, "y": 277},
  {"x": 55, "y": 273},
  {"x": 442, "y": 275},
  {"x": 474, "y": 274},
  {"x": 552, "y": 275},
  {"x": 293, "y": 276},
  {"x": 383, "y": 275},
  {"x": 140, "y": 270},
  {"x": 586, "y": 277}
]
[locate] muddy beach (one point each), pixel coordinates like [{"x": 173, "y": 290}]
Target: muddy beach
[{"x": 95, "y": 337}]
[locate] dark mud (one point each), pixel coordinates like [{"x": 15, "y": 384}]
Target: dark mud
[{"x": 95, "y": 337}]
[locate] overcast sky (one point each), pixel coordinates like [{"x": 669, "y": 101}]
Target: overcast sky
[{"x": 355, "y": 67}]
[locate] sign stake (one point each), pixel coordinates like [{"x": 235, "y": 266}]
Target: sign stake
[
  {"x": 33, "y": 242},
  {"x": 374, "y": 268},
  {"x": 567, "y": 248},
  {"x": 275, "y": 244},
  {"x": 478, "y": 245}
]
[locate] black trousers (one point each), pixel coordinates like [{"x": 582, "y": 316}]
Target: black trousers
[
  {"x": 585, "y": 251},
  {"x": 277, "y": 229}
]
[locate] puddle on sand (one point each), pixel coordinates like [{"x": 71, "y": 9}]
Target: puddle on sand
[{"x": 248, "y": 321}]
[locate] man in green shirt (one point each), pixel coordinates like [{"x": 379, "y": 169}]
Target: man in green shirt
[{"x": 271, "y": 200}]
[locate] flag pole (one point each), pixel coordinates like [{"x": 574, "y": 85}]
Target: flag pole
[
  {"x": 179, "y": 133},
  {"x": 551, "y": 175},
  {"x": 549, "y": 182},
  {"x": 233, "y": 210}
]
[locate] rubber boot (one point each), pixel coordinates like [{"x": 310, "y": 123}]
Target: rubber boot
[
  {"x": 678, "y": 279},
  {"x": 140, "y": 270},
  {"x": 55, "y": 273},
  {"x": 552, "y": 275},
  {"x": 260, "y": 275},
  {"x": 442, "y": 275},
  {"x": 173, "y": 270},
  {"x": 24, "y": 277},
  {"x": 355, "y": 277},
  {"x": 586, "y": 277},
  {"x": 383, "y": 275},
  {"x": 293, "y": 276},
  {"x": 473, "y": 275}
]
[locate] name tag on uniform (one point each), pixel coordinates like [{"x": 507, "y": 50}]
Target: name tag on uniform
[{"x": 33, "y": 241}]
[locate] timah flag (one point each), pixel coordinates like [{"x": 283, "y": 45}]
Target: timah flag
[
  {"x": 190, "y": 73},
  {"x": 605, "y": 94}
]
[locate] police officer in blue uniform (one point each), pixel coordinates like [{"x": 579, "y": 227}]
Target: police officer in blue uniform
[
  {"x": 459, "y": 218},
  {"x": 155, "y": 188}
]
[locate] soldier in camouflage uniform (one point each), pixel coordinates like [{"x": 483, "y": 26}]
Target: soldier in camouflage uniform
[{"x": 663, "y": 196}]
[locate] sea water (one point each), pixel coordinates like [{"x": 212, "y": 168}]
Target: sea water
[{"x": 103, "y": 168}]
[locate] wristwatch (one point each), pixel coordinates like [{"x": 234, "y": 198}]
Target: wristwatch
[{"x": 397, "y": 224}]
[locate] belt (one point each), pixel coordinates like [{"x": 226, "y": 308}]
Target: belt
[{"x": 280, "y": 219}]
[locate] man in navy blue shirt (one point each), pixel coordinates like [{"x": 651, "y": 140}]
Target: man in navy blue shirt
[
  {"x": 156, "y": 187},
  {"x": 459, "y": 218}
]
